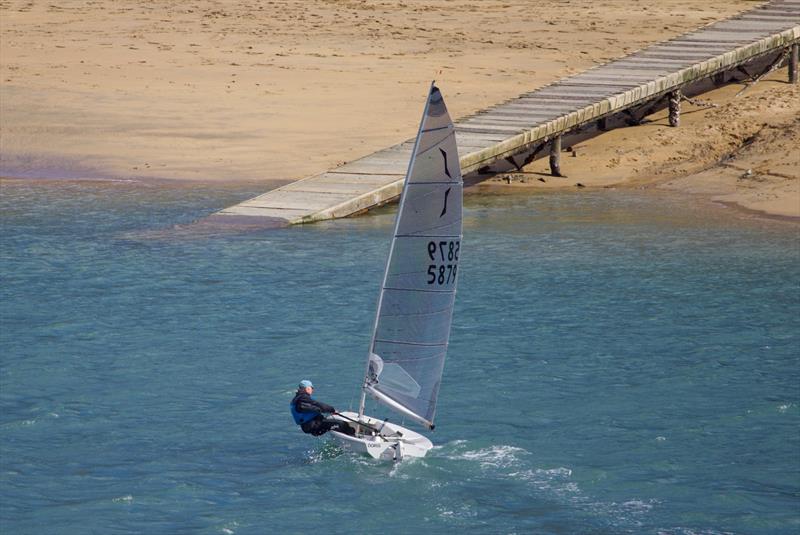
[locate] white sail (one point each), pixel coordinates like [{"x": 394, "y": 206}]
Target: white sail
[{"x": 415, "y": 308}]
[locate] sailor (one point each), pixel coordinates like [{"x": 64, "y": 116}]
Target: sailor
[{"x": 308, "y": 413}]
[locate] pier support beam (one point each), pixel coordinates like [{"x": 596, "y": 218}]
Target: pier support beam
[
  {"x": 555, "y": 156},
  {"x": 793, "y": 63},
  {"x": 675, "y": 108}
]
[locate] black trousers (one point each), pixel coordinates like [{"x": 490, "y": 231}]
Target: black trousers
[{"x": 319, "y": 426}]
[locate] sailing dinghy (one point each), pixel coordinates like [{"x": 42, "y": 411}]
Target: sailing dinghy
[{"x": 415, "y": 307}]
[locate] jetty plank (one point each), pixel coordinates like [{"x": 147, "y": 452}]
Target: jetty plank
[
  {"x": 539, "y": 118},
  {"x": 333, "y": 177}
]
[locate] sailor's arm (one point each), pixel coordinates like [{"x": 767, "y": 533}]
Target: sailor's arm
[
  {"x": 312, "y": 405},
  {"x": 324, "y": 407}
]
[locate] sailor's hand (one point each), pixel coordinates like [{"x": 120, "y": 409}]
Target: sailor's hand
[{"x": 332, "y": 411}]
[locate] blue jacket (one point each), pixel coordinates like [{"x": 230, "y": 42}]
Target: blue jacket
[{"x": 304, "y": 408}]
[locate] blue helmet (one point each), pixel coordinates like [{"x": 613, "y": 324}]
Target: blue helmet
[{"x": 305, "y": 383}]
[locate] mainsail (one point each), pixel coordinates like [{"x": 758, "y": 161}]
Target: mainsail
[{"x": 415, "y": 308}]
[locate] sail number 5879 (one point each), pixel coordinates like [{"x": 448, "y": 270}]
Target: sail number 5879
[{"x": 445, "y": 252}]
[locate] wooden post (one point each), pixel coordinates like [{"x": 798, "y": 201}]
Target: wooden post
[
  {"x": 793, "y": 64},
  {"x": 555, "y": 156},
  {"x": 675, "y": 107}
]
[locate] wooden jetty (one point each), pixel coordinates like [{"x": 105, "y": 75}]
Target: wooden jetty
[{"x": 514, "y": 133}]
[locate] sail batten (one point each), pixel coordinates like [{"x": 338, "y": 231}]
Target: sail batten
[
  {"x": 415, "y": 290},
  {"x": 409, "y": 344},
  {"x": 415, "y": 306}
]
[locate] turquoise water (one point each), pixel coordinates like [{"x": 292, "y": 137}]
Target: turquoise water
[{"x": 619, "y": 363}]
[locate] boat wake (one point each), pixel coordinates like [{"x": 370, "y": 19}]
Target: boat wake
[
  {"x": 495, "y": 456},
  {"x": 549, "y": 484}
]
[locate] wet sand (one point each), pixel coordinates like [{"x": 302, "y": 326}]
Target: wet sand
[{"x": 280, "y": 90}]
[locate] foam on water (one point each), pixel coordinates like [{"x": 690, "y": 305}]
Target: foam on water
[
  {"x": 229, "y": 528},
  {"x": 494, "y": 456},
  {"x": 510, "y": 462}
]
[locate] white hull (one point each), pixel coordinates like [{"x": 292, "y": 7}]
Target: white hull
[{"x": 394, "y": 442}]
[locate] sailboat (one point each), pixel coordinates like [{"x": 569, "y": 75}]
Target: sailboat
[{"x": 415, "y": 307}]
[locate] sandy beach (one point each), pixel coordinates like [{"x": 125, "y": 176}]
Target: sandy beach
[
  {"x": 275, "y": 91},
  {"x": 737, "y": 150}
]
